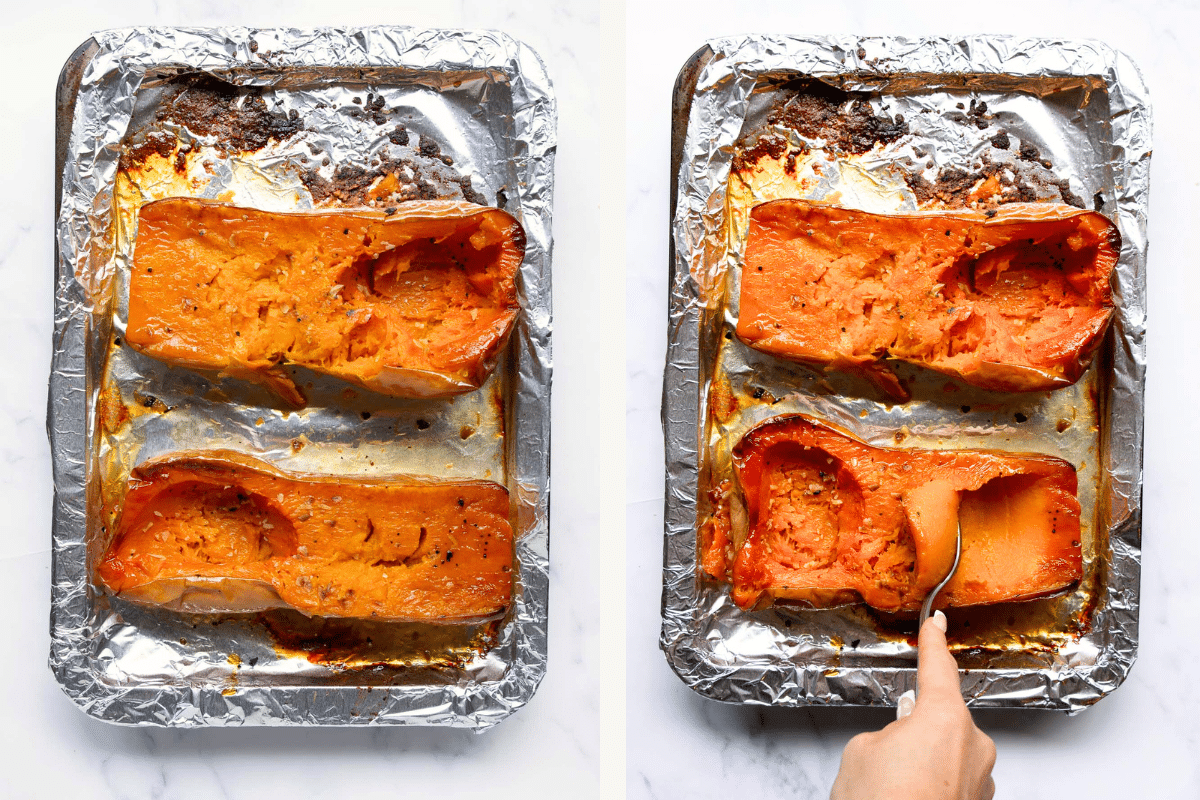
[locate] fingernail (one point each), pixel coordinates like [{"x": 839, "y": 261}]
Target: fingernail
[{"x": 939, "y": 619}]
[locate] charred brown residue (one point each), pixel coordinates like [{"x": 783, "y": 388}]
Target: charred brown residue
[
  {"x": 468, "y": 191},
  {"x": 1069, "y": 197},
  {"x": 181, "y": 158},
  {"x": 153, "y": 143},
  {"x": 350, "y": 183},
  {"x": 150, "y": 403},
  {"x": 367, "y": 644},
  {"x": 1030, "y": 152},
  {"x": 1009, "y": 172},
  {"x": 238, "y": 117},
  {"x": 976, "y": 116},
  {"x": 952, "y": 186},
  {"x": 992, "y": 182},
  {"x": 844, "y": 120},
  {"x": 375, "y": 109},
  {"x": 115, "y": 412},
  {"x": 391, "y": 180},
  {"x": 768, "y": 145},
  {"x": 431, "y": 149},
  {"x": 1034, "y": 628},
  {"x": 759, "y": 393}
]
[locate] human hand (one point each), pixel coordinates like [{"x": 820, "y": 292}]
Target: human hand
[{"x": 935, "y": 753}]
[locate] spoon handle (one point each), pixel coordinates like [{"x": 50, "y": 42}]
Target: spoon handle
[{"x": 927, "y": 606}]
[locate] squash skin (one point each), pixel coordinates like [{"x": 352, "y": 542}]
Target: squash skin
[
  {"x": 223, "y": 532},
  {"x": 415, "y": 304},
  {"x": 1015, "y": 302},
  {"x": 827, "y": 522}
]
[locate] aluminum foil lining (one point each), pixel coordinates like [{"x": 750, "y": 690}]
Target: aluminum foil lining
[
  {"x": 486, "y": 102},
  {"x": 1086, "y": 110}
]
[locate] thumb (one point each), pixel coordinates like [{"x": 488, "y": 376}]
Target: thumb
[{"x": 937, "y": 672}]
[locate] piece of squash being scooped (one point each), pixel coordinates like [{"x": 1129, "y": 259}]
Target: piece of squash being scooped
[
  {"x": 223, "y": 532},
  {"x": 932, "y": 513},
  {"x": 830, "y": 520},
  {"x": 418, "y": 303},
  {"x": 1013, "y": 302}
]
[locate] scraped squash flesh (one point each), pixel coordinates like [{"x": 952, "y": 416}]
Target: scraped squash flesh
[
  {"x": 1018, "y": 301},
  {"x": 831, "y": 520},
  {"x": 223, "y": 532},
  {"x": 931, "y": 511},
  {"x": 415, "y": 304}
]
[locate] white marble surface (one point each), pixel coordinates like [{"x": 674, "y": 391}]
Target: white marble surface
[
  {"x": 569, "y": 741},
  {"x": 1144, "y": 740}
]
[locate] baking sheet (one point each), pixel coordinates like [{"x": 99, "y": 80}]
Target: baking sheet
[
  {"x": 1084, "y": 110},
  {"x": 468, "y": 115}
]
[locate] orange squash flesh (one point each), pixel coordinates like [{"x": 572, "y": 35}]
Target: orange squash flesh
[
  {"x": 416, "y": 304},
  {"x": 931, "y": 511},
  {"x": 221, "y": 531},
  {"x": 1015, "y": 302},
  {"x": 828, "y": 522}
]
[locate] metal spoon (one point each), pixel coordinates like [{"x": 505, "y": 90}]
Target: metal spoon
[{"x": 927, "y": 606}]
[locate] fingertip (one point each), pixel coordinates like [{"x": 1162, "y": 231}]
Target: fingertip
[
  {"x": 933, "y": 631},
  {"x": 937, "y": 671}
]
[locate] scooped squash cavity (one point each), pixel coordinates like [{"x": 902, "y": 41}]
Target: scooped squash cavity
[{"x": 831, "y": 520}]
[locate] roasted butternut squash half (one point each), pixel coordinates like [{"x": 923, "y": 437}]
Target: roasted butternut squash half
[
  {"x": 223, "y": 532},
  {"x": 416, "y": 304},
  {"x": 821, "y": 518},
  {"x": 1015, "y": 302}
]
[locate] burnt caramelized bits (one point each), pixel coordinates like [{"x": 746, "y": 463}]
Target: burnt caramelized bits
[
  {"x": 223, "y": 532},
  {"x": 821, "y": 518},
  {"x": 843, "y": 121},
  {"x": 844, "y": 124},
  {"x": 1011, "y": 300},
  {"x": 238, "y": 119},
  {"x": 415, "y": 303}
]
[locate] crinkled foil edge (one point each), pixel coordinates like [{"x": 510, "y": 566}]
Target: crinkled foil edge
[
  {"x": 717, "y": 112},
  {"x": 102, "y": 113}
]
